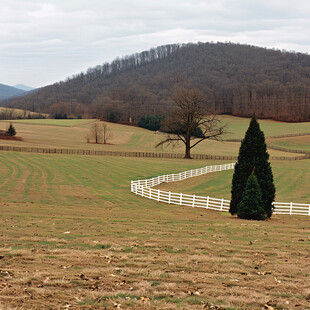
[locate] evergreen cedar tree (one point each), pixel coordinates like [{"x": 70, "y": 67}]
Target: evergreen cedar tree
[
  {"x": 11, "y": 131},
  {"x": 253, "y": 157},
  {"x": 250, "y": 206}
]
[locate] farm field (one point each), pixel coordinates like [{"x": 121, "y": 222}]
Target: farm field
[
  {"x": 71, "y": 134},
  {"x": 291, "y": 180},
  {"x": 237, "y": 127},
  {"x": 292, "y": 143},
  {"x": 53, "y": 122},
  {"x": 72, "y": 236}
]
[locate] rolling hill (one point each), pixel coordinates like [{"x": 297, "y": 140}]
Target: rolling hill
[
  {"x": 23, "y": 87},
  {"x": 7, "y": 91},
  {"x": 238, "y": 79}
]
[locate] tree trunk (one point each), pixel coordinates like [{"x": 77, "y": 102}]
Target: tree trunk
[{"x": 187, "y": 149}]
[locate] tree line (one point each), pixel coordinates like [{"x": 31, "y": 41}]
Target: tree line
[{"x": 236, "y": 79}]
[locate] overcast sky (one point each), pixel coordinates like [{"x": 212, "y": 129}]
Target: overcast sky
[{"x": 45, "y": 41}]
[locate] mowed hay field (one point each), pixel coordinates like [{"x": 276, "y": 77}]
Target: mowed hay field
[
  {"x": 292, "y": 143},
  {"x": 71, "y": 134},
  {"x": 72, "y": 236}
]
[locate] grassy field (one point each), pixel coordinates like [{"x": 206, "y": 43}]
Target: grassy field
[
  {"x": 237, "y": 127},
  {"x": 53, "y": 122},
  {"x": 72, "y": 236},
  {"x": 71, "y": 134},
  {"x": 291, "y": 181},
  {"x": 292, "y": 143}
]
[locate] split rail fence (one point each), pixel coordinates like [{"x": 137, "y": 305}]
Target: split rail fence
[{"x": 145, "y": 189}]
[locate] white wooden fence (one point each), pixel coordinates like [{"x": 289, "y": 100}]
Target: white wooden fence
[{"x": 144, "y": 189}]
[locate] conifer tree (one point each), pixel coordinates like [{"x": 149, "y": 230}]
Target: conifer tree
[
  {"x": 250, "y": 206},
  {"x": 253, "y": 153},
  {"x": 11, "y": 131}
]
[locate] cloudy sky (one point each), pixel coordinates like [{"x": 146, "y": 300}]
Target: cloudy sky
[{"x": 45, "y": 41}]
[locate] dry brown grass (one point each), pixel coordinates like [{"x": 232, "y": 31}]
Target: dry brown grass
[
  {"x": 72, "y": 236},
  {"x": 124, "y": 138},
  {"x": 172, "y": 258}
]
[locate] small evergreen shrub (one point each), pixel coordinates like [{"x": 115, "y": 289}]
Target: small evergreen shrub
[
  {"x": 250, "y": 207},
  {"x": 11, "y": 131}
]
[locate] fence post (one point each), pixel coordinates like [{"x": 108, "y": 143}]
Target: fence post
[
  {"x": 222, "y": 204},
  {"x": 180, "y": 199},
  {"x": 309, "y": 210},
  {"x": 208, "y": 202},
  {"x": 193, "y": 201},
  {"x": 169, "y": 198},
  {"x": 158, "y": 195},
  {"x": 142, "y": 194},
  {"x": 291, "y": 208}
]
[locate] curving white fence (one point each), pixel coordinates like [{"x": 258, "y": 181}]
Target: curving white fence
[{"x": 145, "y": 189}]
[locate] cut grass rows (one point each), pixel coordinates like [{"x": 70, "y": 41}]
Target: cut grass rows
[
  {"x": 72, "y": 233},
  {"x": 89, "y": 180}
]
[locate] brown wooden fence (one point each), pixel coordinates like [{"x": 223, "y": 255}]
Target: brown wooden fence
[{"x": 126, "y": 154}]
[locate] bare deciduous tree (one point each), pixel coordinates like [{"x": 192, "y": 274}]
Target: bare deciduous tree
[
  {"x": 107, "y": 135},
  {"x": 188, "y": 123},
  {"x": 7, "y": 113},
  {"x": 99, "y": 132},
  {"x": 96, "y": 132}
]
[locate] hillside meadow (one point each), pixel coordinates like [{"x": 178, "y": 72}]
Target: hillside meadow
[
  {"x": 73, "y": 236},
  {"x": 72, "y": 134}
]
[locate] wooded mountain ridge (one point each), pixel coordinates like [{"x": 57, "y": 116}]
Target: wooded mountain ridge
[{"x": 237, "y": 79}]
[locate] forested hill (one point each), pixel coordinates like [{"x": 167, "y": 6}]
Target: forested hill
[{"x": 237, "y": 79}]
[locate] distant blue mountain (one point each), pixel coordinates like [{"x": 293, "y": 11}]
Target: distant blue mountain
[
  {"x": 23, "y": 87},
  {"x": 7, "y": 91}
]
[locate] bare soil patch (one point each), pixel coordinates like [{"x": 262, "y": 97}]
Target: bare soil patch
[{"x": 13, "y": 138}]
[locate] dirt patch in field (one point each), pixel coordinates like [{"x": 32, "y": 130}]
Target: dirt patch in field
[{"x": 13, "y": 138}]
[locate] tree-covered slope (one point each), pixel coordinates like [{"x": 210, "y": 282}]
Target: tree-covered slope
[{"x": 237, "y": 79}]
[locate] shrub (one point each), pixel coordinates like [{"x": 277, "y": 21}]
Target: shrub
[
  {"x": 151, "y": 121},
  {"x": 11, "y": 131},
  {"x": 250, "y": 207}
]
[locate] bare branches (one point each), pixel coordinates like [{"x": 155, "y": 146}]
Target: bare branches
[
  {"x": 189, "y": 123},
  {"x": 99, "y": 132}
]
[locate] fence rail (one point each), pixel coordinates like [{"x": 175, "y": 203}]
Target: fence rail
[
  {"x": 145, "y": 189},
  {"x": 126, "y": 154}
]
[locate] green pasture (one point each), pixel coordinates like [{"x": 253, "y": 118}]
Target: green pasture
[
  {"x": 69, "y": 225},
  {"x": 291, "y": 180},
  {"x": 296, "y": 143},
  {"x": 95, "y": 180},
  {"x": 237, "y": 126}
]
